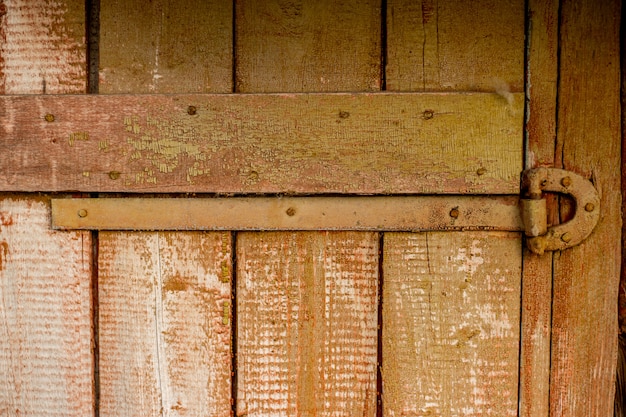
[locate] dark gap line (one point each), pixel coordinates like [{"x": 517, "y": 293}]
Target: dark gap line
[
  {"x": 620, "y": 375},
  {"x": 554, "y": 254},
  {"x": 527, "y": 46},
  {"x": 383, "y": 45},
  {"x": 233, "y": 312},
  {"x": 92, "y": 11},
  {"x": 95, "y": 302},
  {"x": 92, "y": 29},
  {"x": 525, "y": 146},
  {"x": 234, "y": 86},
  {"x": 379, "y": 358},
  {"x": 558, "y": 90}
]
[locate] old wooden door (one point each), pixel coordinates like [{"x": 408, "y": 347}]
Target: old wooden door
[{"x": 434, "y": 323}]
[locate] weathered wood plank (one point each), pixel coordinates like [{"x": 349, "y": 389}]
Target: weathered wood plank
[
  {"x": 46, "y": 367},
  {"x": 290, "y": 213},
  {"x": 307, "y": 46},
  {"x": 307, "y": 323},
  {"x": 43, "y": 47},
  {"x": 440, "y": 353},
  {"x": 315, "y": 46},
  {"x": 169, "y": 47},
  {"x": 586, "y": 277},
  {"x": 46, "y": 363},
  {"x": 310, "y": 143},
  {"x": 164, "y": 340},
  {"x": 183, "y": 47},
  {"x": 455, "y": 45},
  {"x": 542, "y": 75},
  {"x": 451, "y": 323}
]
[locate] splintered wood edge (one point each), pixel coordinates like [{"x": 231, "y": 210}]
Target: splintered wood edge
[
  {"x": 416, "y": 213},
  {"x": 345, "y": 143}
]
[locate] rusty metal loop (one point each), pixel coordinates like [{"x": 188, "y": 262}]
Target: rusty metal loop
[{"x": 568, "y": 234}]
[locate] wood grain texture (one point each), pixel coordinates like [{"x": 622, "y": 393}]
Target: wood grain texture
[
  {"x": 586, "y": 277},
  {"x": 542, "y": 75},
  {"x": 306, "y": 46},
  {"x": 307, "y": 143},
  {"x": 164, "y": 342},
  {"x": 182, "y": 47},
  {"x": 442, "y": 354},
  {"x": 179, "y": 297},
  {"x": 307, "y": 323},
  {"x": 451, "y": 323},
  {"x": 329, "y": 324},
  {"x": 46, "y": 367},
  {"x": 42, "y": 47},
  {"x": 455, "y": 45},
  {"x": 46, "y": 363}
]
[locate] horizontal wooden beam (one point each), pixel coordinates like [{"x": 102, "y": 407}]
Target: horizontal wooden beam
[
  {"x": 290, "y": 213},
  {"x": 407, "y": 143}
]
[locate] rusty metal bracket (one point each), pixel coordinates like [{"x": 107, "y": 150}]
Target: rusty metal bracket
[{"x": 540, "y": 237}]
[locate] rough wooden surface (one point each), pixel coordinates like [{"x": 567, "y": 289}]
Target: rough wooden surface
[
  {"x": 307, "y": 46},
  {"x": 42, "y": 47},
  {"x": 46, "y": 364},
  {"x": 451, "y": 323},
  {"x": 455, "y": 45},
  {"x": 179, "y": 294},
  {"x": 307, "y": 323},
  {"x": 438, "y": 358},
  {"x": 164, "y": 341},
  {"x": 622, "y": 289},
  {"x": 357, "y": 143},
  {"x": 183, "y": 47},
  {"x": 330, "y": 366},
  {"x": 290, "y": 213},
  {"x": 542, "y": 75},
  {"x": 586, "y": 277}
]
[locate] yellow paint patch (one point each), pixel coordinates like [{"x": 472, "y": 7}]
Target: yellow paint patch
[
  {"x": 82, "y": 136},
  {"x": 164, "y": 145}
]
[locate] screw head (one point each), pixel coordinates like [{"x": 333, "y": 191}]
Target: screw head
[
  {"x": 291, "y": 211},
  {"x": 49, "y": 117},
  {"x": 454, "y": 213},
  {"x": 589, "y": 207},
  {"x": 566, "y": 182},
  {"x": 566, "y": 237},
  {"x": 82, "y": 213},
  {"x": 481, "y": 171},
  {"x": 191, "y": 110},
  {"x": 428, "y": 114}
]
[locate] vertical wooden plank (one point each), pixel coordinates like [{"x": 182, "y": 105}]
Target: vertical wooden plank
[
  {"x": 171, "y": 323},
  {"x": 307, "y": 315},
  {"x": 42, "y": 48},
  {"x": 586, "y": 277},
  {"x": 164, "y": 339},
  {"x": 46, "y": 365},
  {"x": 542, "y": 76},
  {"x": 438, "y": 357},
  {"x": 451, "y": 323},
  {"x": 307, "y": 46},
  {"x": 166, "y": 46},
  {"x": 301, "y": 46},
  {"x": 455, "y": 45}
]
